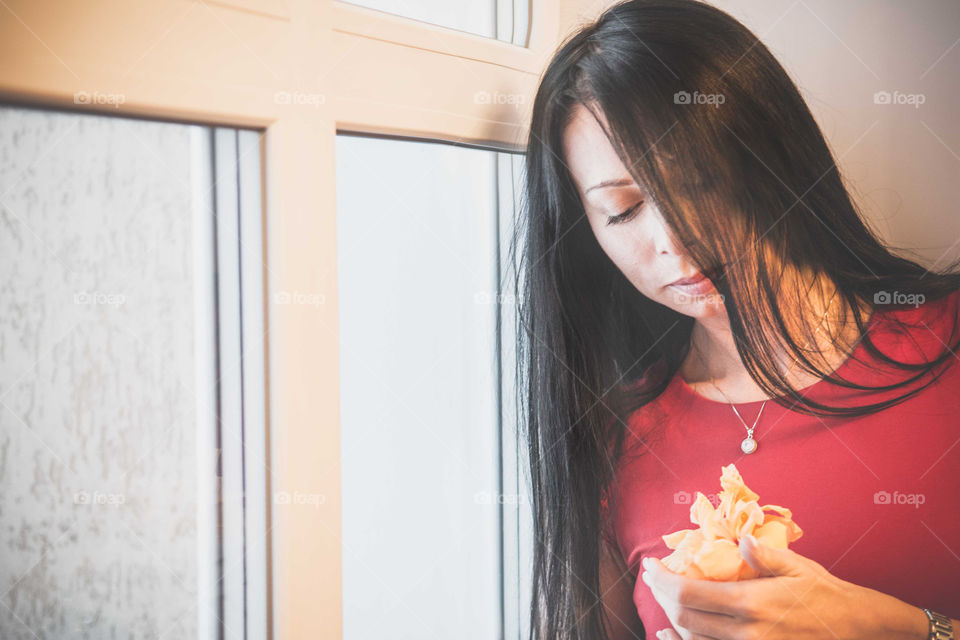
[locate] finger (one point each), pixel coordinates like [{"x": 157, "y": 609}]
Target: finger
[
  {"x": 706, "y": 595},
  {"x": 670, "y": 634},
  {"x": 693, "y": 624}
]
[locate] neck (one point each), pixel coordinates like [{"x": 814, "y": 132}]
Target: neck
[
  {"x": 713, "y": 340},
  {"x": 713, "y": 360}
]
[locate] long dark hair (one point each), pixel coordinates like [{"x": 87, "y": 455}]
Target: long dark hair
[{"x": 591, "y": 348}]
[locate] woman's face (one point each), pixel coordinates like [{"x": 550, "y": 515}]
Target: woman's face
[{"x": 629, "y": 227}]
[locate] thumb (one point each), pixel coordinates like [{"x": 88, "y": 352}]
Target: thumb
[{"x": 769, "y": 561}]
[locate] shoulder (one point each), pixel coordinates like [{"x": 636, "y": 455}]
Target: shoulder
[
  {"x": 645, "y": 416},
  {"x": 914, "y": 328},
  {"x": 918, "y": 308}
]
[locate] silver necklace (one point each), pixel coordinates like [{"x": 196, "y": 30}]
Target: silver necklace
[{"x": 748, "y": 444}]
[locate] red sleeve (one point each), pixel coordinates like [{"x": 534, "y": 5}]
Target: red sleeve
[{"x": 929, "y": 332}]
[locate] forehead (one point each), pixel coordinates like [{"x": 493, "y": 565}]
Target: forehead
[{"x": 588, "y": 153}]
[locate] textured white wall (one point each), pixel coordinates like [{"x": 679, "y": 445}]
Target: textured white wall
[{"x": 97, "y": 425}]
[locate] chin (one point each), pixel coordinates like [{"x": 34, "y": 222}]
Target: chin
[{"x": 705, "y": 306}]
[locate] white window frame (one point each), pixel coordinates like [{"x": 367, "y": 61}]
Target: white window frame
[{"x": 230, "y": 63}]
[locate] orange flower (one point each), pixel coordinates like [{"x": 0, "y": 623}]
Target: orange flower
[{"x": 712, "y": 552}]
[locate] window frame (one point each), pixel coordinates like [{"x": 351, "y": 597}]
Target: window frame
[{"x": 224, "y": 63}]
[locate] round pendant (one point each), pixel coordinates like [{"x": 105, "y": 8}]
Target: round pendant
[{"x": 749, "y": 445}]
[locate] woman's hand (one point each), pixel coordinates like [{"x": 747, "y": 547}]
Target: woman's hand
[{"x": 795, "y": 598}]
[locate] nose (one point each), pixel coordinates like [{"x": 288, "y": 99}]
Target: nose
[
  {"x": 660, "y": 234},
  {"x": 663, "y": 242}
]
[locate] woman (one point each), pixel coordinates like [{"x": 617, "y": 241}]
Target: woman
[{"x": 698, "y": 289}]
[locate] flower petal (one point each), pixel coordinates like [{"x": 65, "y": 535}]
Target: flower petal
[
  {"x": 731, "y": 481},
  {"x": 701, "y": 510},
  {"x": 745, "y": 517},
  {"x": 712, "y": 551},
  {"x": 675, "y": 539},
  {"x": 718, "y": 560}
]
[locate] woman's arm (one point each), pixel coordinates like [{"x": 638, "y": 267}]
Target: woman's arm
[
  {"x": 901, "y": 620},
  {"x": 616, "y": 593}
]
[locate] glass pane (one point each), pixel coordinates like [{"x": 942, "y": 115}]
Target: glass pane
[
  {"x": 420, "y": 457},
  {"x": 504, "y": 20},
  {"x": 517, "y": 516},
  {"x": 98, "y": 421},
  {"x": 109, "y": 445}
]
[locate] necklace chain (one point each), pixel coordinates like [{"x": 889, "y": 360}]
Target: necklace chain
[{"x": 749, "y": 445}]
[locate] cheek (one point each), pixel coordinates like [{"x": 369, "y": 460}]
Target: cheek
[
  {"x": 631, "y": 255},
  {"x": 635, "y": 256}
]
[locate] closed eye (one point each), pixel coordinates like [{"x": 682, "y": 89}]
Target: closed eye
[{"x": 626, "y": 215}]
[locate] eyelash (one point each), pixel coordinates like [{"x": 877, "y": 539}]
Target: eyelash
[{"x": 623, "y": 217}]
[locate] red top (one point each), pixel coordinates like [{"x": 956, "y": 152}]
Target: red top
[{"x": 877, "y": 496}]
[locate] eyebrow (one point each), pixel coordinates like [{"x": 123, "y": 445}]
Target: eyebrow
[{"x": 620, "y": 182}]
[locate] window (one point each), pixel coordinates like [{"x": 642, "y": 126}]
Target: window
[
  {"x": 134, "y": 480},
  {"x": 474, "y": 17},
  {"x": 420, "y": 431},
  {"x": 309, "y": 81}
]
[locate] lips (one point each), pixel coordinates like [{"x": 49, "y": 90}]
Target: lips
[{"x": 688, "y": 281}]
